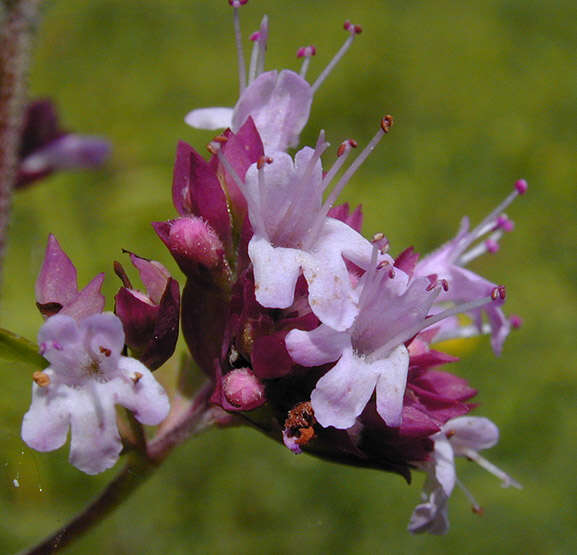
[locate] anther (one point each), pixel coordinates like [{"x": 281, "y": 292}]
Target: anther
[
  {"x": 498, "y": 292},
  {"x": 41, "y": 378},
  {"x": 505, "y": 223},
  {"x": 515, "y": 321},
  {"x": 351, "y": 28},
  {"x": 444, "y": 284},
  {"x": 106, "y": 352},
  {"x": 306, "y": 51},
  {"x": 387, "y": 123},
  {"x": 137, "y": 377},
  {"x": 262, "y": 161},
  {"x": 450, "y": 433},
  {"x": 345, "y": 146},
  {"x": 392, "y": 273},
  {"x": 478, "y": 510},
  {"x": 237, "y": 3},
  {"x": 221, "y": 139},
  {"x": 491, "y": 245},
  {"x": 383, "y": 264},
  {"x": 521, "y": 186}
]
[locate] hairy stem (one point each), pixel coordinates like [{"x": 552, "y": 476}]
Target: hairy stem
[
  {"x": 195, "y": 417},
  {"x": 18, "y": 19}
]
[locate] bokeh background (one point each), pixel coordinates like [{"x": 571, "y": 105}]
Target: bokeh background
[{"x": 483, "y": 93}]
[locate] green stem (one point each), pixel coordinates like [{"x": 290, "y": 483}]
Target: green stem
[
  {"x": 198, "y": 416},
  {"x": 16, "y": 30},
  {"x": 136, "y": 471}
]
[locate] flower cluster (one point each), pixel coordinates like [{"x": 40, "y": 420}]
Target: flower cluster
[
  {"x": 88, "y": 375},
  {"x": 309, "y": 331}
]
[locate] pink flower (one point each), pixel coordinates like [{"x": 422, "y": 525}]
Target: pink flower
[
  {"x": 448, "y": 263},
  {"x": 292, "y": 233},
  {"x": 86, "y": 378},
  {"x": 370, "y": 354},
  {"x": 279, "y": 102},
  {"x": 461, "y": 437}
]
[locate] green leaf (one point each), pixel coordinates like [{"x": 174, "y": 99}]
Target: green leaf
[{"x": 16, "y": 348}]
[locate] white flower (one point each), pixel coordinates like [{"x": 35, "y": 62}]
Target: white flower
[{"x": 86, "y": 378}]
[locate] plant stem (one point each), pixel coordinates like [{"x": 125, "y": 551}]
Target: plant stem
[
  {"x": 17, "y": 25},
  {"x": 136, "y": 471},
  {"x": 198, "y": 416}
]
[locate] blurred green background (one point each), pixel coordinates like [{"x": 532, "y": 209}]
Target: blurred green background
[{"x": 483, "y": 93}]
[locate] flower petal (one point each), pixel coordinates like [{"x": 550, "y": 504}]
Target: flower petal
[
  {"x": 276, "y": 270},
  {"x": 280, "y": 104},
  {"x": 343, "y": 392},
  {"x": 391, "y": 385},
  {"x": 45, "y": 425},
  {"x": 471, "y": 432},
  {"x": 209, "y": 118},
  {"x": 94, "y": 439},
  {"x": 139, "y": 392},
  {"x": 316, "y": 347}
]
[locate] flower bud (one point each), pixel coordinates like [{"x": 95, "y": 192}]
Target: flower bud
[
  {"x": 193, "y": 244},
  {"x": 150, "y": 319},
  {"x": 243, "y": 389}
]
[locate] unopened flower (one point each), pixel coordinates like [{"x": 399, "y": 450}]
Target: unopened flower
[
  {"x": 461, "y": 437},
  {"x": 57, "y": 286},
  {"x": 46, "y": 148},
  {"x": 150, "y": 319},
  {"x": 86, "y": 378}
]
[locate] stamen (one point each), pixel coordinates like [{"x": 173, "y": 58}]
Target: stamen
[
  {"x": 405, "y": 335},
  {"x": 480, "y": 249},
  {"x": 337, "y": 189},
  {"x": 504, "y": 223},
  {"x": 475, "y": 507},
  {"x": 137, "y": 377},
  {"x": 258, "y": 54},
  {"x": 342, "y": 154},
  {"x": 306, "y": 52},
  {"x": 236, "y": 4},
  {"x": 492, "y": 246},
  {"x": 506, "y": 480},
  {"x": 488, "y": 222},
  {"x": 353, "y": 30},
  {"x": 499, "y": 292},
  {"x": 41, "y": 378},
  {"x": 381, "y": 242}
]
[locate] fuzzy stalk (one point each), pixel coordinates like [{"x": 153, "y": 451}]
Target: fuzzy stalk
[{"x": 17, "y": 23}]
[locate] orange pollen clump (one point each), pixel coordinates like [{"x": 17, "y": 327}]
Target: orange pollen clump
[
  {"x": 106, "y": 352},
  {"x": 137, "y": 377},
  {"x": 41, "y": 378},
  {"x": 300, "y": 423}
]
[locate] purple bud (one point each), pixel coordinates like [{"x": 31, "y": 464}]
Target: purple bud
[
  {"x": 150, "y": 320},
  {"x": 57, "y": 288}
]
